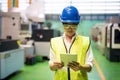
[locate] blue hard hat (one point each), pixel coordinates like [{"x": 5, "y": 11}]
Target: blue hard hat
[{"x": 70, "y": 14}]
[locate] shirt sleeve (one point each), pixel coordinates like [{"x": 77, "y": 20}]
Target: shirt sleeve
[
  {"x": 51, "y": 56},
  {"x": 89, "y": 57}
]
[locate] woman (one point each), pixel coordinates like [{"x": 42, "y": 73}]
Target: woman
[{"x": 71, "y": 43}]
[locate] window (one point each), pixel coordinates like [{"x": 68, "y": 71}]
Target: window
[{"x": 84, "y": 6}]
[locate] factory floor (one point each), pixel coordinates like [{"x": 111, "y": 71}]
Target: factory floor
[{"x": 103, "y": 69}]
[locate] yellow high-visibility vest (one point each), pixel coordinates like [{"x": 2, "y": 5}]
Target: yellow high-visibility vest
[{"x": 79, "y": 46}]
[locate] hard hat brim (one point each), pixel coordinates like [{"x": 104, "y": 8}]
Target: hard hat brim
[{"x": 70, "y": 21}]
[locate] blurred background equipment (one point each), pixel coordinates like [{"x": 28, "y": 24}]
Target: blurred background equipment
[
  {"x": 12, "y": 26},
  {"x": 9, "y": 51},
  {"x": 113, "y": 42},
  {"x": 42, "y": 40},
  {"x": 35, "y": 12}
]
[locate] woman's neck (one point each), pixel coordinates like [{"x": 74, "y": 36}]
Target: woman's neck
[{"x": 69, "y": 38}]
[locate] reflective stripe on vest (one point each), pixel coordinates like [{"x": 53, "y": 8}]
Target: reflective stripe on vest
[{"x": 79, "y": 47}]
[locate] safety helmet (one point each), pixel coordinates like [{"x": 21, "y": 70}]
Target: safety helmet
[{"x": 70, "y": 14}]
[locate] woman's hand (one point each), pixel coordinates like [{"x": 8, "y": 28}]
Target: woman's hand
[
  {"x": 74, "y": 65},
  {"x": 57, "y": 65},
  {"x": 77, "y": 66}
]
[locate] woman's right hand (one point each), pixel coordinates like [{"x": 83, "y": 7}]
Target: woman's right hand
[{"x": 56, "y": 65}]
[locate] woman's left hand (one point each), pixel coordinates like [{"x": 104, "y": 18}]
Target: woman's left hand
[{"x": 74, "y": 65}]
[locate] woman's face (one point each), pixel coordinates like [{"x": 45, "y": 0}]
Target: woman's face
[{"x": 70, "y": 29}]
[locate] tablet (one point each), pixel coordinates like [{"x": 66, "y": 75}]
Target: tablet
[{"x": 66, "y": 58}]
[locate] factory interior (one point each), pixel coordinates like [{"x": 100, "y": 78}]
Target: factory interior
[{"x": 26, "y": 27}]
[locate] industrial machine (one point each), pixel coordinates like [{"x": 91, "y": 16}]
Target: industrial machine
[
  {"x": 10, "y": 62},
  {"x": 24, "y": 30},
  {"x": 107, "y": 38},
  {"x": 42, "y": 41},
  {"x": 6, "y": 44},
  {"x": 11, "y": 57},
  {"x": 11, "y": 28},
  {"x": 113, "y": 42},
  {"x": 98, "y": 35}
]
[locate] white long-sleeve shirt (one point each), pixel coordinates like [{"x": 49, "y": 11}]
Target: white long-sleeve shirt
[{"x": 89, "y": 55}]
